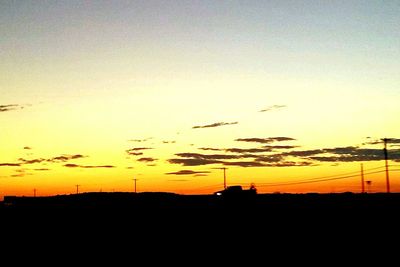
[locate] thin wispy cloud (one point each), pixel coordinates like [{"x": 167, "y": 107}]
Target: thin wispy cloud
[
  {"x": 27, "y": 148},
  {"x": 140, "y": 140},
  {"x": 42, "y": 169},
  {"x": 58, "y": 159},
  {"x": 137, "y": 151},
  {"x": 273, "y": 107},
  {"x": 206, "y": 156},
  {"x": 187, "y": 172},
  {"x": 5, "y": 108},
  {"x": 193, "y": 161},
  {"x": 267, "y": 140},
  {"x": 10, "y": 164},
  {"x": 64, "y": 158},
  {"x": 71, "y": 165},
  {"x": 217, "y": 124},
  {"x": 169, "y": 142},
  {"x": 381, "y": 142},
  {"x": 211, "y": 149},
  {"x": 245, "y": 164},
  {"x": 248, "y": 150}
]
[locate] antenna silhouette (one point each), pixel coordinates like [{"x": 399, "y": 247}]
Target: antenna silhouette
[
  {"x": 77, "y": 188},
  {"x": 385, "y": 140},
  {"x": 135, "y": 183},
  {"x": 362, "y": 179},
  {"x": 223, "y": 168}
]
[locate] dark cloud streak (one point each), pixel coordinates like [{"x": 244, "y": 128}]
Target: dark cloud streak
[
  {"x": 267, "y": 140},
  {"x": 273, "y": 107},
  {"x": 70, "y": 165},
  {"x": 187, "y": 172},
  {"x": 217, "y": 124}
]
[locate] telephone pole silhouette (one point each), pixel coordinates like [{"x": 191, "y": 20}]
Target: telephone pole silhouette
[
  {"x": 224, "y": 168},
  {"x": 385, "y": 140},
  {"x": 77, "y": 188},
  {"x": 135, "y": 183},
  {"x": 362, "y": 179},
  {"x": 34, "y": 192}
]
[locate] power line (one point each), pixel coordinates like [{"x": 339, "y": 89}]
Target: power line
[
  {"x": 329, "y": 176},
  {"x": 321, "y": 180}
]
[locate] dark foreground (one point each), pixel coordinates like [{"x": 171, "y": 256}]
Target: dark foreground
[
  {"x": 244, "y": 206},
  {"x": 157, "y": 220}
]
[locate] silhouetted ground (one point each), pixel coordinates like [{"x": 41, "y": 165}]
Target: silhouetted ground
[
  {"x": 159, "y": 221},
  {"x": 260, "y": 205}
]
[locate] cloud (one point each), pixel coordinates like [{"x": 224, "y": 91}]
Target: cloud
[
  {"x": 381, "y": 142},
  {"x": 168, "y": 142},
  {"x": 27, "y": 148},
  {"x": 344, "y": 154},
  {"x": 178, "y": 180},
  {"x": 148, "y": 159},
  {"x": 130, "y": 168},
  {"x": 193, "y": 162},
  {"x": 279, "y": 147},
  {"x": 4, "y": 108},
  {"x": 31, "y": 161},
  {"x": 140, "y": 140},
  {"x": 42, "y": 169},
  {"x": 267, "y": 140},
  {"x": 273, "y": 107},
  {"x": 10, "y": 164},
  {"x": 210, "y": 148},
  {"x": 136, "y": 151},
  {"x": 64, "y": 158},
  {"x": 206, "y": 156},
  {"x": 245, "y": 164},
  {"x": 292, "y": 164},
  {"x": 269, "y": 158},
  {"x": 303, "y": 153},
  {"x": 248, "y": 150},
  {"x": 70, "y": 165},
  {"x": 217, "y": 124},
  {"x": 187, "y": 172}
]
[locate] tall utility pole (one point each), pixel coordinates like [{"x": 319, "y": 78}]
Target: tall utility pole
[
  {"x": 224, "y": 168},
  {"x": 135, "y": 183},
  {"x": 385, "y": 140},
  {"x": 34, "y": 192},
  {"x": 77, "y": 188},
  {"x": 362, "y": 179}
]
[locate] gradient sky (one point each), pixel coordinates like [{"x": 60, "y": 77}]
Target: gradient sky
[{"x": 98, "y": 93}]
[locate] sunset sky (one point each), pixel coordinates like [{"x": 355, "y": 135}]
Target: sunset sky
[{"x": 289, "y": 95}]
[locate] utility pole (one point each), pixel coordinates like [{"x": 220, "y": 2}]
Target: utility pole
[
  {"x": 135, "y": 183},
  {"x": 224, "y": 168},
  {"x": 385, "y": 140},
  {"x": 34, "y": 192},
  {"x": 77, "y": 188},
  {"x": 362, "y": 179}
]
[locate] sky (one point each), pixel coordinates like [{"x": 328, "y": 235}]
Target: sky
[{"x": 292, "y": 96}]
